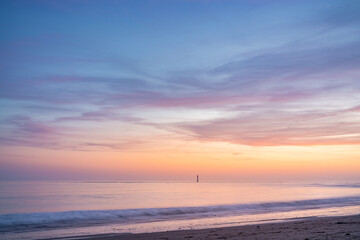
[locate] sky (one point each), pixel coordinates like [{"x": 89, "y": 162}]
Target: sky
[{"x": 167, "y": 89}]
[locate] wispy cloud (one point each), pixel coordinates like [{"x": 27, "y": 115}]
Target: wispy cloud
[
  {"x": 23, "y": 130},
  {"x": 276, "y": 127},
  {"x": 284, "y": 66},
  {"x": 283, "y": 93}
]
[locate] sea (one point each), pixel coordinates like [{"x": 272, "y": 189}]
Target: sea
[{"x": 70, "y": 209}]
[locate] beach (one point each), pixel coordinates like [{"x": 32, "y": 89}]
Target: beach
[
  {"x": 148, "y": 210},
  {"x": 343, "y": 227}
]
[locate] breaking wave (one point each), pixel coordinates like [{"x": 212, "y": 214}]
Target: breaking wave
[{"x": 54, "y": 220}]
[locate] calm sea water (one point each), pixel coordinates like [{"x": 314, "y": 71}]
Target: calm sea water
[{"x": 57, "y": 209}]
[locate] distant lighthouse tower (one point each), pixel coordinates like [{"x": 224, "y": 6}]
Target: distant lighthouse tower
[{"x": 197, "y": 178}]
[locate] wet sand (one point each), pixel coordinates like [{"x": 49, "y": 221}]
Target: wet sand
[{"x": 326, "y": 228}]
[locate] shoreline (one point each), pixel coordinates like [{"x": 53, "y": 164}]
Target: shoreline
[{"x": 339, "y": 227}]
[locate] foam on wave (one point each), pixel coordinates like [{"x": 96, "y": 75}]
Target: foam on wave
[{"x": 33, "y": 221}]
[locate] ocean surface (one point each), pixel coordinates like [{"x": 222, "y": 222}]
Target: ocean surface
[{"x": 41, "y": 210}]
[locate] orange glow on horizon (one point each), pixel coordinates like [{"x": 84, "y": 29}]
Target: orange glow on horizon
[{"x": 215, "y": 161}]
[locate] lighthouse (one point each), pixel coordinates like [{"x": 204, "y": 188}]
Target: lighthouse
[{"x": 197, "y": 178}]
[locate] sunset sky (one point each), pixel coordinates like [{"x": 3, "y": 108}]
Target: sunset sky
[{"x": 167, "y": 89}]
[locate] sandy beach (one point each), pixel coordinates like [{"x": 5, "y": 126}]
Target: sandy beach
[{"x": 327, "y": 228}]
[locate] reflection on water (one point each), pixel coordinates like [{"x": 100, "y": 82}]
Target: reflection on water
[
  {"x": 48, "y": 209},
  {"x": 27, "y": 197}
]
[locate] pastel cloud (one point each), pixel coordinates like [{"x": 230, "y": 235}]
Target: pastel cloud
[
  {"x": 290, "y": 64},
  {"x": 279, "y": 87},
  {"x": 276, "y": 128},
  {"x": 22, "y": 130}
]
